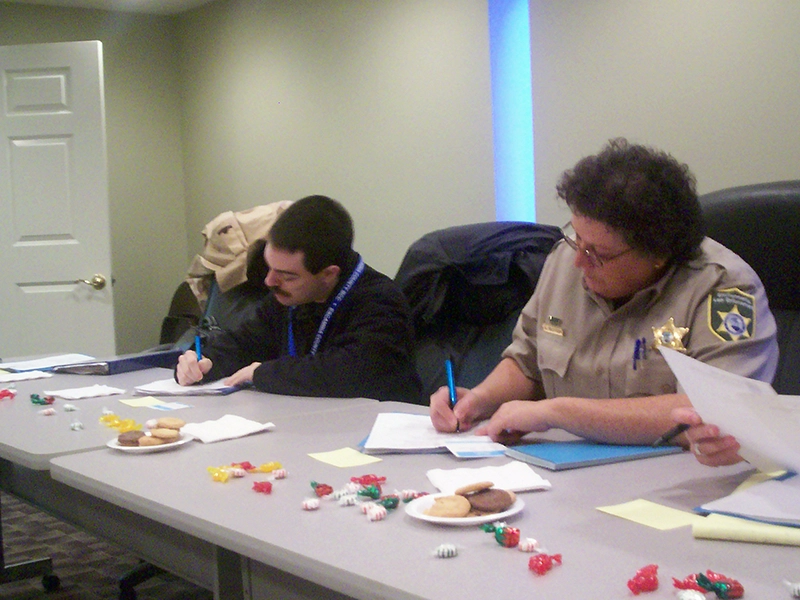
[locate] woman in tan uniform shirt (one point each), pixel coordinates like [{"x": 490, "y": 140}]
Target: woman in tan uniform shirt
[{"x": 634, "y": 271}]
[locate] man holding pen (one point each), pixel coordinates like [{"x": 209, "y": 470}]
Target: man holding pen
[{"x": 331, "y": 326}]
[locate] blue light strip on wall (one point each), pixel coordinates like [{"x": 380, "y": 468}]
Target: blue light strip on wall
[{"x": 512, "y": 109}]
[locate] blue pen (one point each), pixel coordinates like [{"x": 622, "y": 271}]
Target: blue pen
[
  {"x": 197, "y": 347},
  {"x": 451, "y": 383}
]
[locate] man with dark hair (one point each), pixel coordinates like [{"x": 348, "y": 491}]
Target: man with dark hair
[{"x": 331, "y": 326}]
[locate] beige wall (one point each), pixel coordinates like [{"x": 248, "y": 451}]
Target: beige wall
[
  {"x": 147, "y": 209},
  {"x": 384, "y": 105},
  {"x": 714, "y": 82}
]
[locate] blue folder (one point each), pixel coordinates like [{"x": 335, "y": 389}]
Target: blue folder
[{"x": 558, "y": 456}]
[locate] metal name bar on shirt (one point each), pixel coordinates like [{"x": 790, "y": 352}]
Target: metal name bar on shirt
[{"x": 328, "y": 313}]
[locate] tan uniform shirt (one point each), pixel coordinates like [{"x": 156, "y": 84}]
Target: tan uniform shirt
[{"x": 578, "y": 345}]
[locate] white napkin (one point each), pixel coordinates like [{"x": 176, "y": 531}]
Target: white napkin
[
  {"x": 225, "y": 428},
  {"x": 9, "y": 377},
  {"x": 92, "y": 391},
  {"x": 515, "y": 476}
]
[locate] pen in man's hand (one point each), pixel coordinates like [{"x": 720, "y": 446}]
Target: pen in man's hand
[
  {"x": 197, "y": 347},
  {"x": 451, "y": 382},
  {"x": 451, "y": 386},
  {"x": 671, "y": 434}
]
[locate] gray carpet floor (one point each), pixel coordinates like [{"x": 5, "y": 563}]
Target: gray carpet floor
[{"x": 89, "y": 568}]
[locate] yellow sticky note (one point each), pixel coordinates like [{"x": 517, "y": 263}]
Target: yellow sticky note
[
  {"x": 345, "y": 457},
  {"x": 651, "y": 514}
]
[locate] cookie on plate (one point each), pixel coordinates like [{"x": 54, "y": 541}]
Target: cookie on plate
[
  {"x": 449, "y": 506},
  {"x": 490, "y": 501},
  {"x": 169, "y": 423},
  {"x": 129, "y": 438},
  {"x": 149, "y": 440},
  {"x": 168, "y": 435}
]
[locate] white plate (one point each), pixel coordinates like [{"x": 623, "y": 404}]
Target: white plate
[
  {"x": 416, "y": 508},
  {"x": 185, "y": 437}
]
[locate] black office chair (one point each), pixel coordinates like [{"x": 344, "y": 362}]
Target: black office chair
[
  {"x": 761, "y": 223},
  {"x": 466, "y": 286}
]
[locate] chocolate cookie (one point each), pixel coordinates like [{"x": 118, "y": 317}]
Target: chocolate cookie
[
  {"x": 129, "y": 438},
  {"x": 491, "y": 501}
]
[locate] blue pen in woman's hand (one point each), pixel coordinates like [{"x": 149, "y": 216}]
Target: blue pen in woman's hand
[{"x": 197, "y": 347}]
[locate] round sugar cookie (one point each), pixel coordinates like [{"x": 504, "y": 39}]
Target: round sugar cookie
[
  {"x": 449, "y": 506},
  {"x": 473, "y": 487},
  {"x": 169, "y": 423},
  {"x": 168, "y": 435},
  {"x": 149, "y": 440}
]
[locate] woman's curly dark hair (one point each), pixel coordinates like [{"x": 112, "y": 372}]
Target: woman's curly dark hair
[{"x": 644, "y": 194}]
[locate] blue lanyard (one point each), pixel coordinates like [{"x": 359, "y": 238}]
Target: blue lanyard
[{"x": 328, "y": 313}]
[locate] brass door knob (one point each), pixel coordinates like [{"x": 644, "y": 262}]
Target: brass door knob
[{"x": 98, "y": 282}]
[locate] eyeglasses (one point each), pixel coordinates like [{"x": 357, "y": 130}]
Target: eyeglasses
[{"x": 594, "y": 259}]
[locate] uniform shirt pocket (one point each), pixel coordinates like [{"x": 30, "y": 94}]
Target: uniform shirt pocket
[
  {"x": 554, "y": 357},
  {"x": 651, "y": 377}
]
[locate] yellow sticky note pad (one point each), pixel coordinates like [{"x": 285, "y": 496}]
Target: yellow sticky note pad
[
  {"x": 651, "y": 514},
  {"x": 345, "y": 457}
]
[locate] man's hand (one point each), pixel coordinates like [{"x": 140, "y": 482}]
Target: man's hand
[
  {"x": 469, "y": 409},
  {"x": 243, "y": 375},
  {"x": 189, "y": 370}
]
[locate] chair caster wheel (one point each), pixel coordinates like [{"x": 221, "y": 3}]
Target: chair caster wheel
[{"x": 50, "y": 583}]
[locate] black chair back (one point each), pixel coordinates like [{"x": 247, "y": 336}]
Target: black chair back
[{"x": 761, "y": 223}]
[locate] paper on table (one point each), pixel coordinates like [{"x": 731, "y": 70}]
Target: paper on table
[
  {"x": 46, "y": 363},
  {"x": 12, "y": 377},
  {"x": 345, "y": 457},
  {"x": 764, "y": 423},
  {"x": 170, "y": 387},
  {"x": 402, "y": 432},
  {"x": 514, "y": 476},
  {"x": 723, "y": 527},
  {"x": 652, "y": 514},
  {"x": 776, "y": 501},
  {"x": 91, "y": 391}
]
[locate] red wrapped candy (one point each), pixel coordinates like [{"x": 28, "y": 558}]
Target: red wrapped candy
[
  {"x": 263, "y": 487},
  {"x": 321, "y": 489},
  {"x": 645, "y": 580},
  {"x": 542, "y": 563},
  {"x": 723, "y": 587}
]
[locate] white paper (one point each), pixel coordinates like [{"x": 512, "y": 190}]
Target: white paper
[
  {"x": 227, "y": 427},
  {"x": 91, "y": 391},
  {"x": 170, "y": 387},
  {"x": 46, "y": 363},
  {"x": 12, "y": 377},
  {"x": 514, "y": 476},
  {"x": 774, "y": 501},
  {"x": 403, "y": 432},
  {"x": 765, "y": 424}
]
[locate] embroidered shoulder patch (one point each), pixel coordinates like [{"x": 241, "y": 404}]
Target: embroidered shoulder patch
[{"x": 731, "y": 314}]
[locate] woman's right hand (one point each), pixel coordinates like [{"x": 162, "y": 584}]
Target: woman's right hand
[
  {"x": 708, "y": 445},
  {"x": 467, "y": 411}
]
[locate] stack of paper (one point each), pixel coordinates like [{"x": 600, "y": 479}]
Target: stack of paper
[
  {"x": 170, "y": 387},
  {"x": 765, "y": 424}
]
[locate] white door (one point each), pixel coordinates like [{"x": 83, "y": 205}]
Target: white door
[{"x": 54, "y": 232}]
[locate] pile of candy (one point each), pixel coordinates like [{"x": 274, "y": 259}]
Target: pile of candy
[
  {"x": 241, "y": 469},
  {"x": 37, "y": 399},
  {"x": 509, "y": 537},
  {"x": 366, "y": 492},
  {"x": 113, "y": 421},
  {"x": 722, "y": 586}
]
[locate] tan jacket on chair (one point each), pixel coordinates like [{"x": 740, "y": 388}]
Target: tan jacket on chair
[{"x": 228, "y": 237}]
